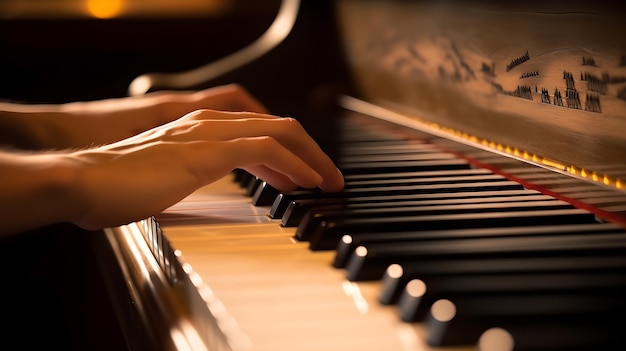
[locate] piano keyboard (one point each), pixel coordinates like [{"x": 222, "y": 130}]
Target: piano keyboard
[{"x": 425, "y": 249}]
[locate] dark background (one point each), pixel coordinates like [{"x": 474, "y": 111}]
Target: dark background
[
  {"x": 59, "y": 60},
  {"x": 53, "y": 293}
]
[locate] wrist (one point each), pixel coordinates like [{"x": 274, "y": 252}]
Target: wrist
[{"x": 42, "y": 189}]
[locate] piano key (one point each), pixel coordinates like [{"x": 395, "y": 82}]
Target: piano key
[
  {"x": 283, "y": 200},
  {"x": 420, "y": 294},
  {"x": 388, "y": 157},
  {"x": 404, "y": 166},
  {"x": 419, "y": 178},
  {"x": 350, "y": 242},
  {"x": 570, "y": 337},
  {"x": 389, "y": 149},
  {"x": 366, "y": 137},
  {"x": 367, "y": 263},
  {"x": 428, "y": 180},
  {"x": 329, "y": 234},
  {"x": 253, "y": 185},
  {"x": 264, "y": 195},
  {"x": 462, "y": 321},
  {"x": 298, "y": 208},
  {"x": 424, "y": 174},
  {"x": 397, "y": 276},
  {"x": 242, "y": 177},
  {"x": 313, "y": 220}
]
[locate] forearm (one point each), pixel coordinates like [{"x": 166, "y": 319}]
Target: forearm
[
  {"x": 37, "y": 127},
  {"x": 93, "y": 123},
  {"x": 36, "y": 190},
  {"x": 80, "y": 124}
]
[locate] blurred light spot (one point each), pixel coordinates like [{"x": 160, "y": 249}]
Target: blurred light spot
[{"x": 105, "y": 8}]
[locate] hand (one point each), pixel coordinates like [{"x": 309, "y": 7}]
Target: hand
[
  {"x": 106, "y": 121},
  {"x": 143, "y": 175},
  {"x": 88, "y": 124}
]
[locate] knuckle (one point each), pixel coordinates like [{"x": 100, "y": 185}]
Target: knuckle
[
  {"x": 291, "y": 124},
  {"x": 199, "y": 114},
  {"x": 235, "y": 87},
  {"x": 267, "y": 141}
]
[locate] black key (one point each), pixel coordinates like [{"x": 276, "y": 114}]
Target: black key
[
  {"x": 264, "y": 195},
  {"x": 313, "y": 220},
  {"x": 283, "y": 200},
  {"x": 377, "y": 149},
  {"x": 410, "y": 175},
  {"x": 298, "y": 208},
  {"x": 329, "y": 234},
  {"x": 350, "y": 242},
  {"x": 424, "y": 180},
  {"x": 253, "y": 185},
  {"x": 462, "y": 321},
  {"x": 567, "y": 336},
  {"x": 367, "y": 263},
  {"x": 396, "y": 276},
  {"x": 242, "y": 177},
  {"x": 420, "y": 294},
  {"x": 384, "y": 158},
  {"x": 403, "y": 166}
]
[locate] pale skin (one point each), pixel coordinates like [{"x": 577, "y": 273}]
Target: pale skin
[{"x": 106, "y": 163}]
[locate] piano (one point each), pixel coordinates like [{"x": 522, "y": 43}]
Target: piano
[{"x": 483, "y": 148}]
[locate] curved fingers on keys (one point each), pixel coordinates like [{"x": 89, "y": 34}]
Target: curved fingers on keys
[
  {"x": 277, "y": 150},
  {"x": 262, "y": 156},
  {"x": 287, "y": 135}
]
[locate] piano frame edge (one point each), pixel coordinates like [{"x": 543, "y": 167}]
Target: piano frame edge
[
  {"x": 416, "y": 123},
  {"x": 157, "y": 310}
]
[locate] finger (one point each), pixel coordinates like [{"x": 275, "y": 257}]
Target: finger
[
  {"x": 206, "y": 125},
  {"x": 214, "y": 115},
  {"x": 287, "y": 131},
  {"x": 269, "y": 159},
  {"x": 279, "y": 181}
]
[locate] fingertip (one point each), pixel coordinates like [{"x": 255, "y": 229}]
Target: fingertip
[{"x": 335, "y": 183}]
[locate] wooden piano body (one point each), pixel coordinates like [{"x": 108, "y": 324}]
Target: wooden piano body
[{"x": 534, "y": 93}]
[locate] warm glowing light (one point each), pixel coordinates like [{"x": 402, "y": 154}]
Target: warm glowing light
[
  {"x": 196, "y": 279},
  {"x": 361, "y": 251},
  {"x": 443, "y": 310},
  {"x": 496, "y": 339},
  {"x": 553, "y": 164},
  {"x": 105, "y": 8},
  {"x": 416, "y": 288},
  {"x": 395, "y": 271},
  {"x": 352, "y": 289}
]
